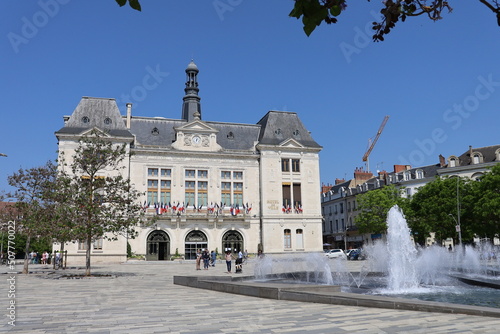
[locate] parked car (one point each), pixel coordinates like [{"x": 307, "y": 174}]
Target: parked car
[
  {"x": 356, "y": 254},
  {"x": 348, "y": 251},
  {"x": 336, "y": 254}
]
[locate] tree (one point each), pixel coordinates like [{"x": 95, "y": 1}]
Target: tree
[
  {"x": 435, "y": 208},
  {"x": 32, "y": 209},
  {"x": 373, "y": 207},
  {"x": 314, "y": 12},
  {"x": 100, "y": 200},
  {"x": 486, "y": 197}
]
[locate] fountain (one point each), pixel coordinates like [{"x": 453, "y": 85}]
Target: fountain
[
  {"x": 396, "y": 275},
  {"x": 431, "y": 273}
]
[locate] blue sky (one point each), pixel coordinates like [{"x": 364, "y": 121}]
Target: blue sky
[{"x": 438, "y": 81}]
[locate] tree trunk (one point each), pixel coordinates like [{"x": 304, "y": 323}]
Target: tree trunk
[
  {"x": 87, "y": 256},
  {"x": 26, "y": 255},
  {"x": 62, "y": 254}
]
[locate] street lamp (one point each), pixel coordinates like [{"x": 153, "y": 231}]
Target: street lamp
[
  {"x": 457, "y": 227},
  {"x": 345, "y": 238}
]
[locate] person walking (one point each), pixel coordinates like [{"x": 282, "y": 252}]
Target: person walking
[
  {"x": 213, "y": 255},
  {"x": 198, "y": 259},
  {"x": 239, "y": 262},
  {"x": 206, "y": 258},
  {"x": 228, "y": 257}
]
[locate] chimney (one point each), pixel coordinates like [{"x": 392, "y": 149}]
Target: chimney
[
  {"x": 360, "y": 176},
  {"x": 400, "y": 168},
  {"x": 325, "y": 188},
  {"x": 382, "y": 175},
  {"x": 442, "y": 161},
  {"x": 129, "y": 115},
  {"x": 339, "y": 181}
]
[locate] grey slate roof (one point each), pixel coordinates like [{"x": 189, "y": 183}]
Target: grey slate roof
[
  {"x": 278, "y": 126},
  {"x": 488, "y": 153},
  {"x": 103, "y": 113},
  {"x": 93, "y": 112},
  {"x": 231, "y": 136}
]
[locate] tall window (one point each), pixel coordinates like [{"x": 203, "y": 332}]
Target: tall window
[
  {"x": 232, "y": 187},
  {"x": 287, "y": 239},
  {"x": 202, "y": 193},
  {"x": 190, "y": 192},
  {"x": 287, "y": 195},
  {"x": 299, "y": 239},
  {"x": 294, "y": 163},
  {"x": 226, "y": 192},
  {"x": 196, "y": 187},
  {"x": 285, "y": 165},
  {"x": 159, "y": 185},
  {"x": 292, "y": 197},
  {"x": 152, "y": 191},
  {"x": 98, "y": 244}
]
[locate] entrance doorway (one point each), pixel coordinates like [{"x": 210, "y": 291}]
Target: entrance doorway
[
  {"x": 194, "y": 240},
  {"x": 233, "y": 240},
  {"x": 158, "y": 246}
]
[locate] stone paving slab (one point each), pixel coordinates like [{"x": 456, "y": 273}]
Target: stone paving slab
[{"x": 143, "y": 299}]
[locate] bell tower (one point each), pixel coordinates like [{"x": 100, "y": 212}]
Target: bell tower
[{"x": 191, "y": 106}]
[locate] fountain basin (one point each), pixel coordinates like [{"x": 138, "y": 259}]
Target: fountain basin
[{"x": 325, "y": 294}]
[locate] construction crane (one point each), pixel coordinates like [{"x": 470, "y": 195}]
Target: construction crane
[{"x": 372, "y": 143}]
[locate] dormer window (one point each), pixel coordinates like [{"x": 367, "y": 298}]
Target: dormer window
[
  {"x": 420, "y": 174},
  {"x": 155, "y": 131},
  {"x": 230, "y": 135},
  {"x": 453, "y": 162},
  {"x": 476, "y": 158},
  {"x": 108, "y": 121},
  {"x": 85, "y": 120},
  {"x": 406, "y": 176}
]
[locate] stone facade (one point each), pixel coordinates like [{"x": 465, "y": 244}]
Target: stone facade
[{"x": 211, "y": 185}]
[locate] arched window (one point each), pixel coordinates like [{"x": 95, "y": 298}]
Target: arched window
[
  {"x": 299, "y": 233},
  {"x": 158, "y": 246},
  {"x": 287, "y": 234},
  {"x": 233, "y": 240},
  {"x": 195, "y": 240}
]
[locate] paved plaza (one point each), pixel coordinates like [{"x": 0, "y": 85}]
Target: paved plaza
[{"x": 141, "y": 298}]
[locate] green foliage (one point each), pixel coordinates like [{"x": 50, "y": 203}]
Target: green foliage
[
  {"x": 314, "y": 12},
  {"x": 373, "y": 208},
  {"x": 133, "y": 3},
  {"x": 98, "y": 197},
  {"x": 486, "y": 209},
  {"x": 435, "y": 208},
  {"x": 32, "y": 208},
  {"x": 129, "y": 250}
]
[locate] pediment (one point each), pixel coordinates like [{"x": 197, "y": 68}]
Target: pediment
[
  {"x": 90, "y": 131},
  {"x": 291, "y": 143},
  {"x": 196, "y": 126}
]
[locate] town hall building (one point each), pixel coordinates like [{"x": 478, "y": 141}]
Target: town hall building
[{"x": 211, "y": 185}]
